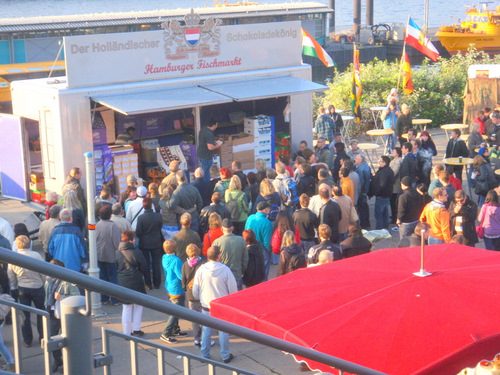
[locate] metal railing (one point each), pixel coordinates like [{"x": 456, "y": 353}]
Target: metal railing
[{"x": 162, "y": 306}]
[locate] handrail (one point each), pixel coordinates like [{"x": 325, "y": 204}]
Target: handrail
[{"x": 157, "y": 304}]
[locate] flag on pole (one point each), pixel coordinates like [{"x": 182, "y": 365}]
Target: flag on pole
[
  {"x": 310, "y": 47},
  {"x": 357, "y": 89},
  {"x": 416, "y": 38},
  {"x": 407, "y": 82}
]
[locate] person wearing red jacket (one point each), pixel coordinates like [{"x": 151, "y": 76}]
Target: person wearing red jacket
[{"x": 284, "y": 222}]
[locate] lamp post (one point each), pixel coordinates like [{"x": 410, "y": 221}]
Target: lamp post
[{"x": 93, "y": 267}]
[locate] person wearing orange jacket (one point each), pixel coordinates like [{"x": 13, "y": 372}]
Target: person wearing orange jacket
[{"x": 437, "y": 216}]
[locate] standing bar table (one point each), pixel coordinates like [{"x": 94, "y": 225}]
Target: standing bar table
[
  {"x": 369, "y": 147},
  {"x": 379, "y": 133},
  {"x": 376, "y": 112},
  {"x": 450, "y": 127},
  {"x": 421, "y": 123},
  {"x": 465, "y": 162},
  {"x": 346, "y": 130}
]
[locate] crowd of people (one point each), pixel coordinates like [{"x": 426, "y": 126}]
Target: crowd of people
[{"x": 221, "y": 233}]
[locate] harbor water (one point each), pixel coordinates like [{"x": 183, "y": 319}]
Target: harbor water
[{"x": 385, "y": 11}]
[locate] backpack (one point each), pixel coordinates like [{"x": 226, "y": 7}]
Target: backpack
[
  {"x": 233, "y": 206},
  {"x": 291, "y": 194},
  {"x": 273, "y": 212},
  {"x": 4, "y": 309},
  {"x": 297, "y": 261}
]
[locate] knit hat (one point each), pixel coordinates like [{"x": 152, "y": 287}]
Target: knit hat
[
  {"x": 406, "y": 181},
  {"x": 225, "y": 173},
  {"x": 142, "y": 191}
]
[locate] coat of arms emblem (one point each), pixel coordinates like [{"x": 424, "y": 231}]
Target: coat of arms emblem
[{"x": 181, "y": 40}]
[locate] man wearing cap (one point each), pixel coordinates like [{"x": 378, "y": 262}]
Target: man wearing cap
[
  {"x": 135, "y": 208},
  {"x": 171, "y": 178},
  {"x": 127, "y": 137},
  {"x": 206, "y": 147},
  {"x": 409, "y": 208},
  {"x": 263, "y": 229},
  {"x": 233, "y": 251},
  {"x": 354, "y": 150}
]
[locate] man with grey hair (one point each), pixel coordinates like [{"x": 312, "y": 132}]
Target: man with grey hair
[
  {"x": 494, "y": 130},
  {"x": 30, "y": 285},
  {"x": 354, "y": 150},
  {"x": 47, "y": 226},
  {"x": 323, "y": 153},
  {"x": 202, "y": 186},
  {"x": 186, "y": 196},
  {"x": 67, "y": 244},
  {"x": 117, "y": 218},
  {"x": 185, "y": 236}
]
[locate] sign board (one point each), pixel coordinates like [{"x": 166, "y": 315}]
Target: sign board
[
  {"x": 484, "y": 71},
  {"x": 193, "y": 48}
]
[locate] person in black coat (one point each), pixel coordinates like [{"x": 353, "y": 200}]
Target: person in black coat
[
  {"x": 356, "y": 243},
  {"x": 341, "y": 154},
  {"x": 381, "y": 188},
  {"x": 456, "y": 147},
  {"x": 236, "y": 168},
  {"x": 409, "y": 163},
  {"x": 307, "y": 182},
  {"x": 307, "y": 222},
  {"x": 252, "y": 189},
  {"x": 330, "y": 213},
  {"x": 202, "y": 185},
  {"x": 215, "y": 206},
  {"x": 150, "y": 241},
  {"x": 132, "y": 268},
  {"x": 463, "y": 214},
  {"x": 409, "y": 208}
]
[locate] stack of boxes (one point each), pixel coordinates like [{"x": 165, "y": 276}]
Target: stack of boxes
[
  {"x": 282, "y": 142},
  {"x": 125, "y": 163},
  {"x": 37, "y": 187},
  {"x": 103, "y": 163},
  {"x": 262, "y": 129},
  {"x": 238, "y": 147},
  {"x": 165, "y": 155}
]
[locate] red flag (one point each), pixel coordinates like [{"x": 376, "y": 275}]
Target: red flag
[
  {"x": 407, "y": 82},
  {"x": 416, "y": 38}
]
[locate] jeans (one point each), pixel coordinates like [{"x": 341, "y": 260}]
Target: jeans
[
  {"x": 4, "y": 351},
  {"x": 173, "y": 321},
  {"x": 26, "y": 297},
  {"x": 153, "y": 258},
  {"x": 131, "y": 318},
  {"x": 206, "y": 338},
  {"x": 195, "y": 224},
  {"x": 492, "y": 243},
  {"x": 382, "y": 212},
  {"x": 267, "y": 261},
  {"x": 196, "y": 306},
  {"x": 394, "y": 208},
  {"x": 205, "y": 164},
  {"x": 108, "y": 272},
  {"x": 406, "y": 229},
  {"x": 363, "y": 211},
  {"x": 481, "y": 199},
  {"x": 434, "y": 241},
  {"x": 390, "y": 141},
  {"x": 275, "y": 258}
]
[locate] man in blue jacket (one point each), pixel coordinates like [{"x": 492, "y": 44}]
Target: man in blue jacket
[
  {"x": 172, "y": 265},
  {"x": 263, "y": 228},
  {"x": 363, "y": 170},
  {"x": 67, "y": 244}
]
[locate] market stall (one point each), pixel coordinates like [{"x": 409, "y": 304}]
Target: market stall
[{"x": 167, "y": 84}]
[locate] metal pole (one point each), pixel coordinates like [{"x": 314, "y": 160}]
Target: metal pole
[
  {"x": 426, "y": 16},
  {"x": 77, "y": 329},
  {"x": 93, "y": 268},
  {"x": 422, "y": 272},
  {"x": 356, "y": 11},
  {"x": 331, "y": 17},
  {"x": 369, "y": 12}
]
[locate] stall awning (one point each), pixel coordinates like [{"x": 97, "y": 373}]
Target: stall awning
[
  {"x": 162, "y": 99},
  {"x": 264, "y": 87}
]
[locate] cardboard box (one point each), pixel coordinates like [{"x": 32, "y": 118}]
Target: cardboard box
[
  {"x": 38, "y": 196},
  {"x": 259, "y": 132},
  {"x": 238, "y": 139},
  {"x": 247, "y": 165},
  {"x": 36, "y": 177},
  {"x": 37, "y": 186},
  {"x": 226, "y": 163},
  {"x": 244, "y": 156},
  {"x": 258, "y": 121},
  {"x": 148, "y": 155}
]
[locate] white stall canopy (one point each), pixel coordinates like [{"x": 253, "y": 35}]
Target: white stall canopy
[
  {"x": 162, "y": 99},
  {"x": 140, "y": 101}
]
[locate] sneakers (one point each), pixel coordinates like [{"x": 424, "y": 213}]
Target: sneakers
[
  {"x": 168, "y": 339},
  {"x": 198, "y": 343},
  {"x": 137, "y": 333},
  {"x": 180, "y": 333},
  {"x": 228, "y": 359}
]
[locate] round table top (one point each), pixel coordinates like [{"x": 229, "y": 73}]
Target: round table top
[
  {"x": 497, "y": 172},
  {"x": 405, "y": 135},
  {"x": 454, "y": 126},
  {"x": 374, "y": 132},
  {"x": 347, "y": 118},
  {"x": 380, "y": 108},
  {"x": 368, "y": 146},
  {"x": 421, "y": 121},
  {"x": 454, "y": 161}
]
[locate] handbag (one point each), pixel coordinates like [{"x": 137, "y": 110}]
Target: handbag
[{"x": 480, "y": 231}]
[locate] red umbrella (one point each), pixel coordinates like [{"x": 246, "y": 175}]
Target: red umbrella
[{"x": 372, "y": 310}]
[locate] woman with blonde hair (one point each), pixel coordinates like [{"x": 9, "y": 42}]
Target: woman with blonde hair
[
  {"x": 291, "y": 256},
  {"x": 214, "y": 231},
  {"x": 268, "y": 194},
  {"x": 484, "y": 176},
  {"x": 237, "y": 204},
  {"x": 72, "y": 203},
  {"x": 475, "y": 139}
]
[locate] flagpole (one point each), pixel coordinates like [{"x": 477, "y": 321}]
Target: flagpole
[{"x": 403, "y": 55}]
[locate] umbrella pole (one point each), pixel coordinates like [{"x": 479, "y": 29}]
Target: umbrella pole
[{"x": 422, "y": 272}]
